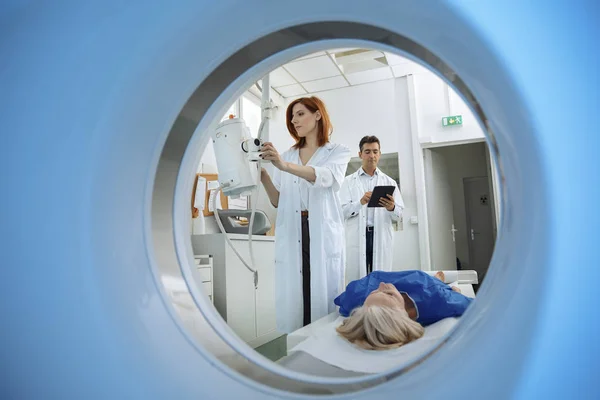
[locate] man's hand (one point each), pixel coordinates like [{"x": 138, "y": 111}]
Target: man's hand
[
  {"x": 365, "y": 199},
  {"x": 387, "y": 203}
]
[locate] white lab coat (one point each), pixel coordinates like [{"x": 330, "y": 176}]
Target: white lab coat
[
  {"x": 355, "y": 215},
  {"x": 326, "y": 228}
]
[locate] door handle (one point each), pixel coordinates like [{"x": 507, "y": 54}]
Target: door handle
[
  {"x": 473, "y": 233},
  {"x": 452, "y": 231}
]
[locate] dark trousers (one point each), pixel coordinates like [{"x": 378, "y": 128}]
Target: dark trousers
[
  {"x": 369, "y": 250},
  {"x": 306, "y": 270}
]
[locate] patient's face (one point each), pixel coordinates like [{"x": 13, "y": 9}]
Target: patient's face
[{"x": 385, "y": 296}]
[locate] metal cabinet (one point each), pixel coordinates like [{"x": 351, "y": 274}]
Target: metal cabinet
[{"x": 249, "y": 311}]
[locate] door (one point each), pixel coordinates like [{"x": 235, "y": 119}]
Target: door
[
  {"x": 480, "y": 226},
  {"x": 265, "y": 293},
  {"x": 241, "y": 295},
  {"x": 439, "y": 212}
]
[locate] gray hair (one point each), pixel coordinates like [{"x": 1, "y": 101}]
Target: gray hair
[{"x": 380, "y": 328}]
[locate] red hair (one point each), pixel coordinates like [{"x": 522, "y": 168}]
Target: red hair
[{"x": 313, "y": 104}]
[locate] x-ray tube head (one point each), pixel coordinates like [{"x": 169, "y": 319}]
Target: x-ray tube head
[{"x": 236, "y": 175}]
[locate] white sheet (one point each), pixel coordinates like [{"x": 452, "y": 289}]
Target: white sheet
[
  {"x": 326, "y": 345},
  {"x": 321, "y": 341},
  {"x": 462, "y": 276}
]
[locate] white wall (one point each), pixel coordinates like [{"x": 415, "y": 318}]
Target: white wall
[
  {"x": 208, "y": 164},
  {"x": 435, "y": 100},
  {"x": 463, "y": 161}
]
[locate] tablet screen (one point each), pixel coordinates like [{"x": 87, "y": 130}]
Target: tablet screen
[{"x": 379, "y": 192}]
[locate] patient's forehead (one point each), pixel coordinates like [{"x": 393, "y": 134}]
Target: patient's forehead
[{"x": 380, "y": 299}]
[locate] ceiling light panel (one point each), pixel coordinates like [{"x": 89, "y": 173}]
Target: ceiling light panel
[
  {"x": 357, "y": 55},
  {"x": 320, "y": 85},
  {"x": 357, "y": 60},
  {"x": 312, "y": 69},
  {"x": 364, "y": 65},
  {"x": 280, "y": 77},
  {"x": 311, "y": 55},
  {"x": 372, "y": 75},
  {"x": 291, "y": 90}
]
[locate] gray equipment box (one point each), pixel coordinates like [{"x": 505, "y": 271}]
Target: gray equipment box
[{"x": 260, "y": 226}]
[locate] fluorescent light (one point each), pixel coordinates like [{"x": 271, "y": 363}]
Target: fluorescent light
[{"x": 358, "y": 60}]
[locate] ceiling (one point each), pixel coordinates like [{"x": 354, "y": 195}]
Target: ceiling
[{"x": 337, "y": 68}]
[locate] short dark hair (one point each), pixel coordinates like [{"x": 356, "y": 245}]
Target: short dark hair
[{"x": 368, "y": 139}]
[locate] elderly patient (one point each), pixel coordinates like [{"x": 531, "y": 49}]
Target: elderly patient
[{"x": 389, "y": 309}]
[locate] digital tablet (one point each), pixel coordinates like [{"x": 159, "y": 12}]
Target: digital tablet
[{"x": 379, "y": 192}]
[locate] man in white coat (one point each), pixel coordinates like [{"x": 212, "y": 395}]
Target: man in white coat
[{"x": 369, "y": 231}]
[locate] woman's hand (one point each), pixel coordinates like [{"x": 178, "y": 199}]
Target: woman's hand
[
  {"x": 270, "y": 153},
  {"x": 267, "y": 183},
  {"x": 263, "y": 175}
]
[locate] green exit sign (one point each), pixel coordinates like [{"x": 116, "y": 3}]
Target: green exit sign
[{"x": 452, "y": 120}]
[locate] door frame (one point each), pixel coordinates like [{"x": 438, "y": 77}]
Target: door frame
[
  {"x": 428, "y": 167},
  {"x": 419, "y": 168},
  {"x": 418, "y": 150}
]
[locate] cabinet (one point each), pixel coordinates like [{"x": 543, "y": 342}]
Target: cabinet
[
  {"x": 202, "y": 272},
  {"x": 249, "y": 311}
]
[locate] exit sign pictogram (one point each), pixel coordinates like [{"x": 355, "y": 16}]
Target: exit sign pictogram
[{"x": 452, "y": 120}]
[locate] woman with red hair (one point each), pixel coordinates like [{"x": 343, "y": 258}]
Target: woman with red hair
[{"x": 309, "y": 231}]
